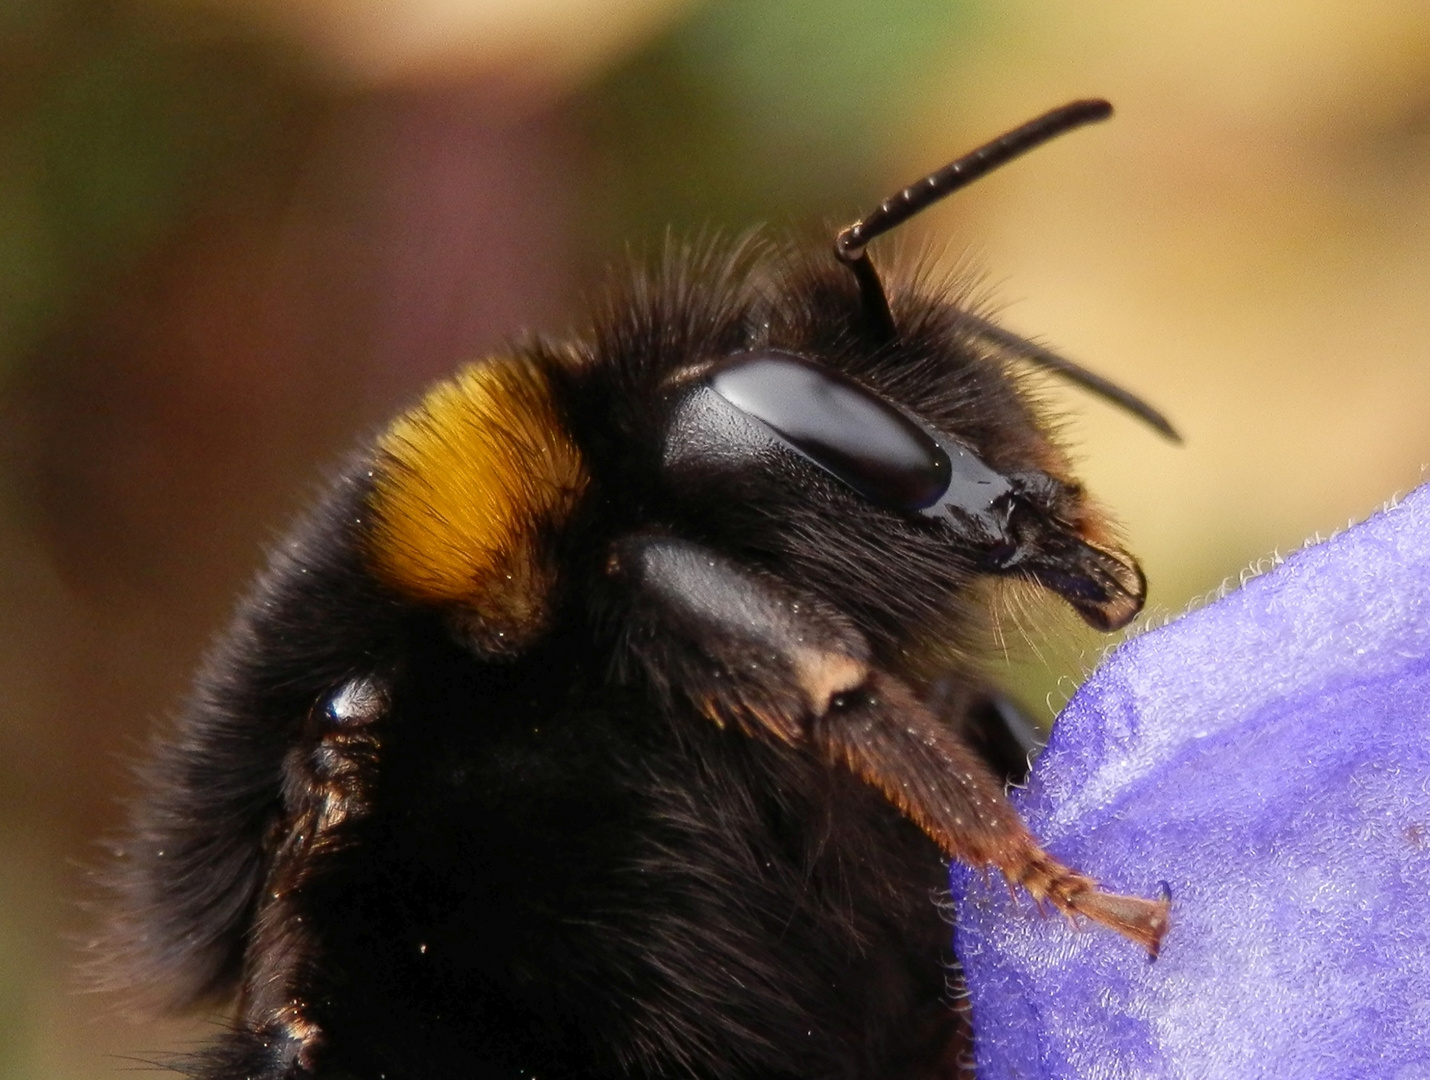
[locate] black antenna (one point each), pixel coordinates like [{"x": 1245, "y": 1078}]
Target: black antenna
[
  {"x": 1072, "y": 371},
  {"x": 851, "y": 245}
]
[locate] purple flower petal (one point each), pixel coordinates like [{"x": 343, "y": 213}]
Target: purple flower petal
[{"x": 1268, "y": 759}]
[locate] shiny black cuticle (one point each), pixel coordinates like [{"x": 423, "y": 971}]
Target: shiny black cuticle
[{"x": 845, "y": 429}]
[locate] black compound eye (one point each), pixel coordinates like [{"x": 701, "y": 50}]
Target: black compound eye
[{"x": 863, "y": 440}]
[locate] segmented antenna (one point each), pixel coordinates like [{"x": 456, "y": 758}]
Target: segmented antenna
[
  {"x": 1073, "y": 372},
  {"x": 851, "y": 245}
]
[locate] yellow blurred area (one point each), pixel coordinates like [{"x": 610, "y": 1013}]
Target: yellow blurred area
[
  {"x": 538, "y": 46},
  {"x": 235, "y": 236},
  {"x": 1247, "y": 242}
]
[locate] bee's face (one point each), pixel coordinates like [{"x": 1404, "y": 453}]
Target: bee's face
[{"x": 885, "y": 475}]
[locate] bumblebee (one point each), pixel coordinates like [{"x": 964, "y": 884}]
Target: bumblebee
[{"x": 613, "y": 715}]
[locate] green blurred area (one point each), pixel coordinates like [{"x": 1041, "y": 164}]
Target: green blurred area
[
  {"x": 220, "y": 264},
  {"x": 119, "y": 124},
  {"x": 752, "y": 112},
  {"x": 115, "y": 128}
]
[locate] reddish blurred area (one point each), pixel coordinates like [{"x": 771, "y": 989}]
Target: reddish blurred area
[
  {"x": 160, "y": 434},
  {"x": 181, "y": 398},
  {"x": 234, "y": 237}
]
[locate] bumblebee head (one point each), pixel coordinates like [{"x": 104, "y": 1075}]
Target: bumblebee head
[
  {"x": 894, "y": 492},
  {"x": 875, "y": 447},
  {"x": 781, "y": 426}
]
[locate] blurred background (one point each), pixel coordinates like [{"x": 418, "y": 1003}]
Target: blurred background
[{"x": 235, "y": 235}]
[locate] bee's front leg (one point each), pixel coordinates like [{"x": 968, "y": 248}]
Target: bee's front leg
[
  {"x": 744, "y": 651},
  {"x": 886, "y": 736}
]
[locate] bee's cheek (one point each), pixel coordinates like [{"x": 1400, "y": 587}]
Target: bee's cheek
[{"x": 1102, "y": 583}]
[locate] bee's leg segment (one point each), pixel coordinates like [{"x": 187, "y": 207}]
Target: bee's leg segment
[
  {"x": 327, "y": 781},
  {"x": 1002, "y": 733},
  {"x": 886, "y": 736},
  {"x": 730, "y": 642},
  {"x": 742, "y": 651}
]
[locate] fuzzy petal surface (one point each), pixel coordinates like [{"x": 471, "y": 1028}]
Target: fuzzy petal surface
[{"x": 1267, "y": 758}]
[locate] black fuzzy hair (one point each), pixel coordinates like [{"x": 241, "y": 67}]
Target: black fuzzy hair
[{"x": 550, "y": 864}]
